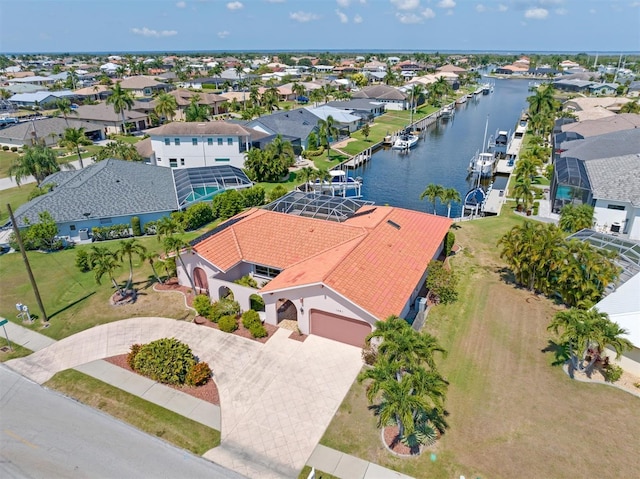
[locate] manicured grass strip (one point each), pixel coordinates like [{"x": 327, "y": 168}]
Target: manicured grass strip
[
  {"x": 148, "y": 417},
  {"x": 17, "y": 352},
  {"x": 304, "y": 474}
]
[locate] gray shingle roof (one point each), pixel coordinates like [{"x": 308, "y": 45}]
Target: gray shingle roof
[
  {"x": 110, "y": 188},
  {"x": 104, "y": 112},
  {"x": 380, "y": 92},
  {"x": 600, "y": 126},
  {"x": 616, "y": 178},
  {"x": 45, "y": 127},
  {"x": 363, "y": 104},
  {"x": 298, "y": 123},
  {"x": 617, "y": 143}
]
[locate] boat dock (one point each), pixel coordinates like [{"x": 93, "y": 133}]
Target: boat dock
[
  {"x": 494, "y": 201},
  {"x": 359, "y": 159}
]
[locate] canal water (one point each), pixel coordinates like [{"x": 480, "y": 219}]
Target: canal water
[{"x": 443, "y": 153}]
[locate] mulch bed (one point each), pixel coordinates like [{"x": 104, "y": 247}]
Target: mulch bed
[
  {"x": 298, "y": 337},
  {"x": 391, "y": 439},
  {"x": 241, "y": 331},
  {"x": 207, "y": 392}
]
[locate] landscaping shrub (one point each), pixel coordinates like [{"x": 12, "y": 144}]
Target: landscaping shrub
[
  {"x": 197, "y": 215},
  {"x": 82, "y": 260},
  {"x": 224, "y": 307},
  {"x": 277, "y": 192},
  {"x": 14, "y": 149},
  {"x": 102, "y": 233},
  {"x": 165, "y": 360},
  {"x": 135, "y": 226},
  {"x": 254, "y": 196},
  {"x": 198, "y": 374},
  {"x": 131, "y": 356},
  {"x": 227, "y": 204},
  {"x": 249, "y": 318},
  {"x": 202, "y": 305},
  {"x": 247, "y": 280},
  {"x": 258, "y": 330},
  {"x": 449, "y": 240},
  {"x": 257, "y": 303},
  {"x": 228, "y": 324},
  {"x": 5, "y": 147},
  {"x": 612, "y": 373},
  {"x": 441, "y": 282},
  {"x": 150, "y": 228}
]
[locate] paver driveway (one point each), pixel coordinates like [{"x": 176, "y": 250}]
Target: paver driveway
[{"x": 276, "y": 398}]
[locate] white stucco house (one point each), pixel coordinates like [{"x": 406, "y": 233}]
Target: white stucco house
[
  {"x": 335, "y": 278},
  {"x": 190, "y": 144}
]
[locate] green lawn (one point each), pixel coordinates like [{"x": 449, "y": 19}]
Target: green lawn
[
  {"x": 15, "y": 197},
  {"x": 126, "y": 138},
  {"x": 511, "y": 414},
  {"x": 6, "y": 160},
  {"x": 72, "y": 299},
  {"x": 148, "y": 417},
  {"x": 15, "y": 352},
  {"x": 304, "y": 474}
]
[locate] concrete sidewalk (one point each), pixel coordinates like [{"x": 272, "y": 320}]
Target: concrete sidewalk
[{"x": 346, "y": 466}]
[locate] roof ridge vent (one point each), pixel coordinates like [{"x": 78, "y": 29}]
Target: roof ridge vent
[{"x": 394, "y": 224}]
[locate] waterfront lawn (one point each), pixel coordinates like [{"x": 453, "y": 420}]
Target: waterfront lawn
[
  {"x": 511, "y": 413},
  {"x": 73, "y": 300},
  {"x": 15, "y": 197},
  {"x": 148, "y": 417}
]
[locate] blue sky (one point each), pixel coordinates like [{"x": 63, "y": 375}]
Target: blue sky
[{"x": 295, "y": 25}]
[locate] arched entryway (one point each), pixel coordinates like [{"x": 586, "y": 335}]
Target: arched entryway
[
  {"x": 286, "y": 310},
  {"x": 225, "y": 293},
  {"x": 200, "y": 281}
]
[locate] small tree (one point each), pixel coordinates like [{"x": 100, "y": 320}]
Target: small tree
[
  {"x": 366, "y": 131},
  {"x": 576, "y": 217},
  {"x": 227, "y": 204},
  {"x": 42, "y": 235},
  {"x": 277, "y": 192}
]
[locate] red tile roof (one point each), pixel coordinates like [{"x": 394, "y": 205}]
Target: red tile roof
[{"x": 375, "y": 259}]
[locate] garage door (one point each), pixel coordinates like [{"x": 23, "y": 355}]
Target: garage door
[{"x": 339, "y": 328}]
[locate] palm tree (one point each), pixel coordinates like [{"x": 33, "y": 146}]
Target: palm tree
[
  {"x": 298, "y": 89},
  {"x": 582, "y": 330},
  {"x": 631, "y": 107},
  {"x": 167, "y": 226},
  {"x": 448, "y": 196},
  {"x": 166, "y": 105},
  {"x": 282, "y": 150},
  {"x": 196, "y": 112},
  {"x": 127, "y": 249},
  {"x": 305, "y": 175},
  {"x": 64, "y": 108},
  {"x": 399, "y": 405},
  {"x": 327, "y": 131},
  {"x": 120, "y": 100},
  {"x": 432, "y": 192},
  {"x": 151, "y": 257},
  {"x": 575, "y": 218},
  {"x": 119, "y": 149},
  {"x": 173, "y": 244},
  {"x": 390, "y": 76},
  {"x": 316, "y": 96},
  {"x": 415, "y": 91},
  {"x": 523, "y": 191},
  {"x": 37, "y": 161},
  {"x": 73, "y": 139},
  {"x": 543, "y": 100},
  {"x": 104, "y": 261},
  {"x": 327, "y": 92}
]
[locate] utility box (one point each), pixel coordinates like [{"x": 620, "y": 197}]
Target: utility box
[{"x": 83, "y": 233}]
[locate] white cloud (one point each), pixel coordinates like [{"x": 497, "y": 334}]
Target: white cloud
[
  {"x": 357, "y": 19},
  {"x": 148, "y": 32},
  {"x": 408, "y": 18},
  {"x": 235, "y": 5},
  {"x": 480, "y": 8},
  {"x": 181, "y": 4},
  {"x": 406, "y": 4},
  {"x": 561, "y": 11},
  {"x": 303, "y": 17},
  {"x": 502, "y": 8},
  {"x": 536, "y": 13},
  {"x": 275, "y": 1},
  {"x": 223, "y": 34},
  {"x": 428, "y": 13},
  {"x": 446, "y": 3},
  {"x": 343, "y": 3},
  {"x": 343, "y": 16},
  {"x": 634, "y": 4}
]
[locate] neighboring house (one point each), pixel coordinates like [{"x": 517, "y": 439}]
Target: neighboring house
[
  {"x": 392, "y": 98},
  {"x": 587, "y": 103},
  {"x": 40, "y": 98},
  {"x": 573, "y": 86},
  {"x": 46, "y": 130},
  {"x": 144, "y": 86},
  {"x": 298, "y": 123},
  {"x": 451, "y": 69},
  {"x": 512, "y": 69},
  {"x": 623, "y": 308},
  {"x": 603, "y": 88},
  {"x": 365, "y": 109},
  {"x": 347, "y": 122},
  {"x": 217, "y": 104},
  {"x": 375, "y": 66},
  {"x": 113, "y": 191},
  {"x": 190, "y": 144},
  {"x": 568, "y": 64},
  {"x": 104, "y": 115},
  {"x": 336, "y": 279},
  {"x": 94, "y": 93}
]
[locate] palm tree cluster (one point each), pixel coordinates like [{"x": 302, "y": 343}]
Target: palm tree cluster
[
  {"x": 120, "y": 100},
  {"x": 543, "y": 260},
  {"x": 104, "y": 261},
  {"x": 272, "y": 163},
  {"x": 403, "y": 385},
  {"x": 120, "y": 150},
  {"x": 73, "y": 139},
  {"x": 576, "y": 217},
  {"x": 542, "y": 110},
  {"x": 447, "y": 196},
  {"x": 585, "y": 333},
  {"x": 37, "y": 161},
  {"x": 438, "y": 90}
]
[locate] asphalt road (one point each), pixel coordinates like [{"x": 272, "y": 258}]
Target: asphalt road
[{"x": 44, "y": 434}]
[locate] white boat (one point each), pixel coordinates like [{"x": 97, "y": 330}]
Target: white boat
[
  {"x": 339, "y": 184},
  {"x": 462, "y": 100},
  {"x": 447, "y": 112},
  {"x": 405, "y": 141},
  {"x": 486, "y": 88},
  {"x": 499, "y": 143},
  {"x": 482, "y": 164}
]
